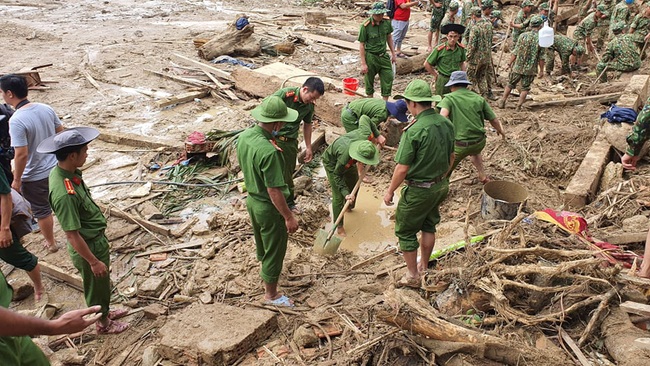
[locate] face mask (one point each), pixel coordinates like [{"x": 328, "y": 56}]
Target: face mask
[
  {"x": 544, "y": 17},
  {"x": 274, "y": 133}
]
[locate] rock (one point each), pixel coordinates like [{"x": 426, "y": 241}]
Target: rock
[
  {"x": 141, "y": 266},
  {"x": 68, "y": 357},
  {"x": 149, "y": 211},
  {"x": 616, "y": 134},
  {"x": 302, "y": 184},
  {"x": 208, "y": 251},
  {"x": 636, "y": 223},
  {"x": 22, "y": 289},
  {"x": 612, "y": 175},
  {"x": 149, "y": 356},
  {"x": 206, "y": 297},
  {"x": 182, "y": 298},
  {"x": 315, "y": 18},
  {"x": 201, "y": 228},
  {"x": 304, "y": 336},
  {"x": 152, "y": 286},
  {"x": 154, "y": 310}
]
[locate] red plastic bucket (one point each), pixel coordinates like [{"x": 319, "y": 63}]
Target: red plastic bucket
[{"x": 350, "y": 83}]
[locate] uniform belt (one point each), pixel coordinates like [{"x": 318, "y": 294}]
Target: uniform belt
[
  {"x": 378, "y": 54},
  {"x": 426, "y": 184},
  {"x": 282, "y": 138},
  {"x": 468, "y": 143}
]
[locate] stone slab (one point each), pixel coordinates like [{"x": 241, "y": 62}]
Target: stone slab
[
  {"x": 214, "y": 334},
  {"x": 635, "y": 93},
  {"x": 585, "y": 181},
  {"x": 152, "y": 286}
]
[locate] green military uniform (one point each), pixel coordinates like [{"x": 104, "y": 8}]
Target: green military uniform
[
  {"x": 528, "y": 54},
  {"x": 17, "y": 351},
  {"x": 262, "y": 162},
  {"x": 426, "y": 147},
  {"x": 564, "y": 46},
  {"x": 446, "y": 61},
  {"x": 585, "y": 29},
  {"x": 479, "y": 55},
  {"x": 374, "y": 37},
  {"x": 371, "y": 107},
  {"x": 640, "y": 131},
  {"x": 467, "y": 111},
  {"x": 641, "y": 26},
  {"x": 287, "y": 138},
  {"x": 620, "y": 13},
  {"x": 465, "y": 17},
  {"x": 602, "y": 29},
  {"x": 15, "y": 254},
  {"x": 437, "y": 15},
  {"x": 520, "y": 18},
  {"x": 621, "y": 55},
  {"x": 76, "y": 211},
  {"x": 341, "y": 169}
]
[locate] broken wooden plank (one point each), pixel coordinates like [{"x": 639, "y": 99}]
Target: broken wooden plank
[
  {"x": 180, "y": 231},
  {"x": 332, "y": 41},
  {"x": 114, "y": 211},
  {"x": 574, "y": 347},
  {"x": 566, "y": 14},
  {"x": 584, "y": 184},
  {"x": 637, "y": 281},
  {"x": 171, "y": 248},
  {"x": 59, "y": 274},
  {"x": 182, "y": 98},
  {"x": 601, "y": 98},
  {"x": 179, "y": 79},
  {"x": 627, "y": 238},
  {"x": 219, "y": 72},
  {"x": 129, "y": 139},
  {"x": 317, "y": 140},
  {"x": 637, "y": 308}
]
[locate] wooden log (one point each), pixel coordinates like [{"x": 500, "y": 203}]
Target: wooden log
[
  {"x": 140, "y": 141},
  {"x": 220, "y": 73},
  {"x": 142, "y": 222},
  {"x": 635, "y": 308},
  {"x": 626, "y": 238},
  {"x": 232, "y": 42},
  {"x": 574, "y": 347},
  {"x": 620, "y": 335},
  {"x": 59, "y": 274},
  {"x": 181, "y": 98},
  {"x": 346, "y": 45},
  {"x": 317, "y": 140},
  {"x": 602, "y": 98},
  {"x": 171, "y": 248},
  {"x": 412, "y": 64}
]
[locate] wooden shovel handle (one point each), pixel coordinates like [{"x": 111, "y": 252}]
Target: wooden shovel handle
[{"x": 347, "y": 203}]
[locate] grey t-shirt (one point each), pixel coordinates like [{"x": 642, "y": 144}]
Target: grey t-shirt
[{"x": 29, "y": 126}]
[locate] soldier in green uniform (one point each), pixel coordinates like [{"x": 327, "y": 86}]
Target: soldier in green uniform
[
  {"x": 378, "y": 111},
  {"x": 438, "y": 9},
  {"x": 261, "y": 162},
  {"x": 479, "y": 53},
  {"x": 82, "y": 221},
  {"x": 621, "y": 54},
  {"x": 640, "y": 29},
  {"x": 447, "y": 57},
  {"x": 343, "y": 161},
  {"x": 524, "y": 61},
  {"x": 451, "y": 17},
  {"x": 374, "y": 34},
  {"x": 568, "y": 50},
  {"x": 16, "y": 347},
  {"x": 496, "y": 18},
  {"x": 586, "y": 27},
  {"x": 621, "y": 13},
  {"x": 468, "y": 111},
  {"x": 635, "y": 141},
  {"x": 301, "y": 99},
  {"x": 547, "y": 13},
  {"x": 602, "y": 30},
  {"x": 521, "y": 21},
  {"x": 424, "y": 157}
]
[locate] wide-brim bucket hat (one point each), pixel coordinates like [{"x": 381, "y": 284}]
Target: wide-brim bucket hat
[
  {"x": 364, "y": 151},
  {"x": 458, "y": 78},
  {"x": 272, "y": 109},
  {"x": 75, "y": 136},
  {"x": 419, "y": 91},
  {"x": 378, "y": 8},
  {"x": 398, "y": 110}
]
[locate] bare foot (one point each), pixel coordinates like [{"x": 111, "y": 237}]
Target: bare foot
[
  {"x": 367, "y": 179},
  {"x": 340, "y": 231},
  {"x": 38, "y": 293},
  {"x": 53, "y": 248}
]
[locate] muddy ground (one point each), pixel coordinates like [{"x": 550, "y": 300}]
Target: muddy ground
[{"x": 113, "y": 43}]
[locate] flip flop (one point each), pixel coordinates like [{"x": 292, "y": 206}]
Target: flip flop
[
  {"x": 406, "y": 281},
  {"x": 401, "y": 55},
  {"x": 117, "y": 313},
  {"x": 281, "y": 301},
  {"x": 114, "y": 327}
]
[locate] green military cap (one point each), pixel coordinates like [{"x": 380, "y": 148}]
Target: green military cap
[
  {"x": 580, "y": 50},
  {"x": 476, "y": 11},
  {"x": 527, "y": 3},
  {"x": 544, "y": 6},
  {"x": 496, "y": 14},
  {"x": 454, "y": 5},
  {"x": 601, "y": 8},
  {"x": 487, "y": 4},
  {"x": 618, "y": 27},
  {"x": 378, "y": 8},
  {"x": 273, "y": 109},
  {"x": 364, "y": 151},
  {"x": 536, "y": 21},
  {"x": 419, "y": 91}
]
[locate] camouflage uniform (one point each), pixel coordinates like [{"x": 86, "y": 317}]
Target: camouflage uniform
[
  {"x": 437, "y": 14},
  {"x": 602, "y": 29},
  {"x": 620, "y": 13},
  {"x": 528, "y": 54},
  {"x": 447, "y": 20},
  {"x": 585, "y": 29},
  {"x": 520, "y": 18},
  {"x": 640, "y": 131},
  {"x": 564, "y": 46},
  {"x": 621, "y": 55},
  {"x": 479, "y": 55},
  {"x": 641, "y": 28}
]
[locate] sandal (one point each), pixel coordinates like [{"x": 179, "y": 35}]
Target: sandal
[
  {"x": 114, "y": 327},
  {"x": 117, "y": 313},
  {"x": 281, "y": 301},
  {"x": 407, "y": 281},
  {"x": 401, "y": 55}
]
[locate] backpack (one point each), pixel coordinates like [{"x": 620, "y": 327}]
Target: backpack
[
  {"x": 618, "y": 114},
  {"x": 390, "y": 6}
]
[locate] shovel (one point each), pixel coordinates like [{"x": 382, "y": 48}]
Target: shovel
[{"x": 326, "y": 242}]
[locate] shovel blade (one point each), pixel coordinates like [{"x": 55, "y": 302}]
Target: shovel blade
[{"x": 323, "y": 246}]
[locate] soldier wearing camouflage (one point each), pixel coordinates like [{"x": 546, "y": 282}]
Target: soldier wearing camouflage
[
  {"x": 621, "y": 13},
  {"x": 640, "y": 27},
  {"x": 585, "y": 29},
  {"x": 521, "y": 21},
  {"x": 621, "y": 54},
  {"x": 565, "y": 48},
  {"x": 479, "y": 52},
  {"x": 452, "y": 15},
  {"x": 438, "y": 9}
]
